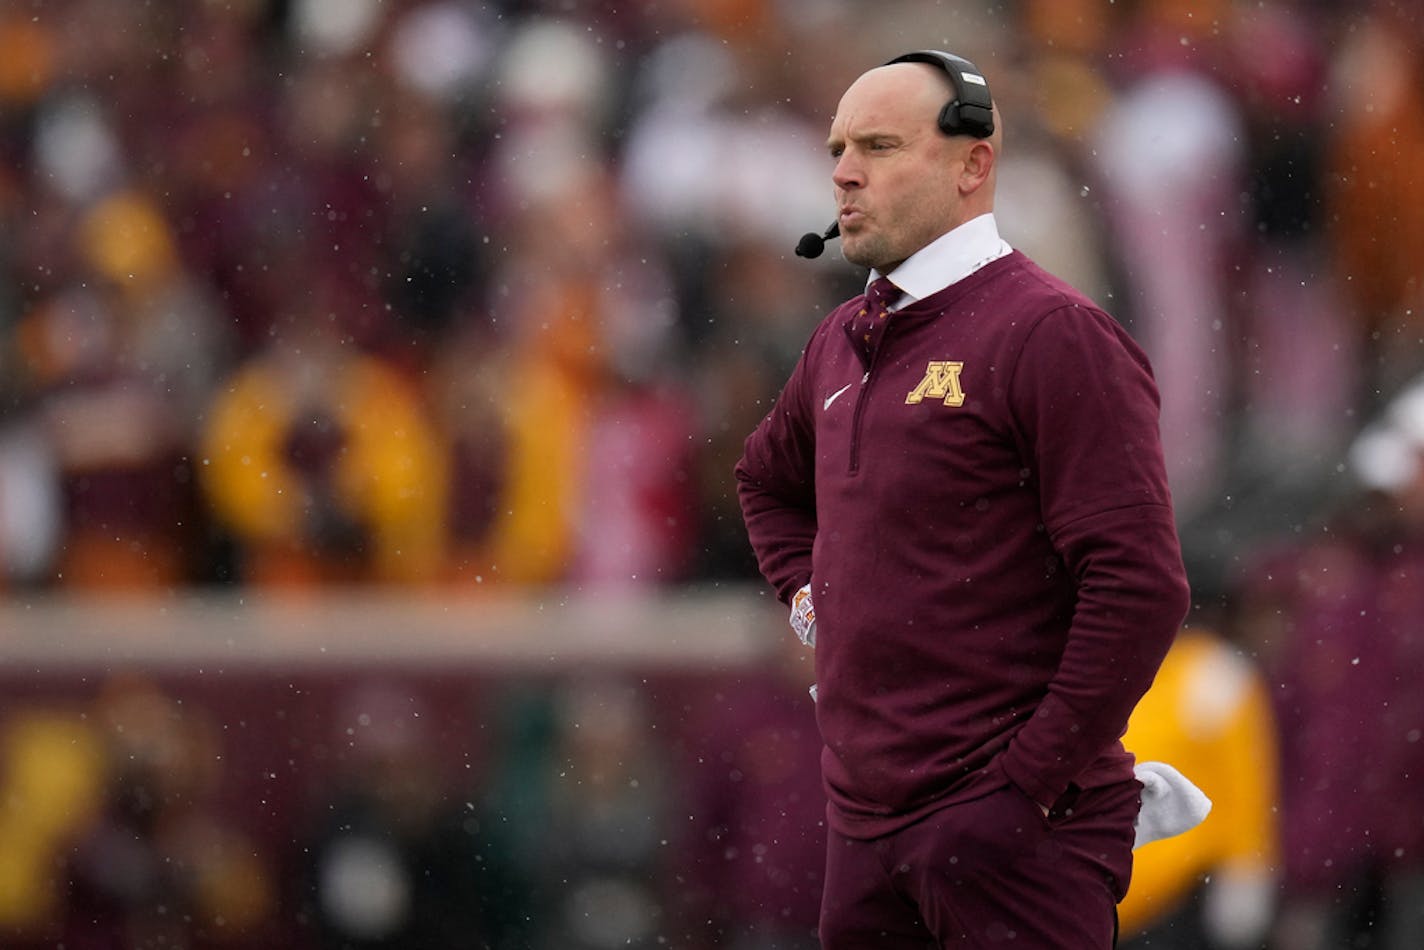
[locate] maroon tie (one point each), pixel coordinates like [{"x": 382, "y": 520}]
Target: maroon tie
[{"x": 869, "y": 323}]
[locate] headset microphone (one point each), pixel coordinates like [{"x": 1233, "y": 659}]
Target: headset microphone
[{"x": 812, "y": 244}]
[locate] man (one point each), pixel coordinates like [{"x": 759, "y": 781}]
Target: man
[{"x": 969, "y": 488}]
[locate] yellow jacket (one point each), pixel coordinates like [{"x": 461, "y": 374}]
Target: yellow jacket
[
  {"x": 1208, "y": 714},
  {"x": 391, "y": 475}
]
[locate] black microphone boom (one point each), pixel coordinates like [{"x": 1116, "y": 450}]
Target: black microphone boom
[{"x": 812, "y": 244}]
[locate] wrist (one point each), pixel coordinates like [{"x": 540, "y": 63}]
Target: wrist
[{"x": 803, "y": 616}]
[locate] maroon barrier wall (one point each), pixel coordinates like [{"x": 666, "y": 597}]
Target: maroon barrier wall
[{"x": 257, "y": 739}]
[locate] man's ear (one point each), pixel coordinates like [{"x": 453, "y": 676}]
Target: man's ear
[{"x": 978, "y": 166}]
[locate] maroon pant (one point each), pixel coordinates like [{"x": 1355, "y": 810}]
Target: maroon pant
[{"x": 993, "y": 872}]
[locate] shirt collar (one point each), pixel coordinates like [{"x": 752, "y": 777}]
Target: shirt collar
[{"x": 946, "y": 260}]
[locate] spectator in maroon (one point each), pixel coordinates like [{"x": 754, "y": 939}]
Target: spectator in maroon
[{"x": 1336, "y": 619}]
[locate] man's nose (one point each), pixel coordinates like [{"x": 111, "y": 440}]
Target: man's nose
[{"x": 848, "y": 173}]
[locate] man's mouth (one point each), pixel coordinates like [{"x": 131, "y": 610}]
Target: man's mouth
[{"x": 850, "y": 216}]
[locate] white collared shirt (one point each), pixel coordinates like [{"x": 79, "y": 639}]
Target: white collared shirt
[{"x": 946, "y": 260}]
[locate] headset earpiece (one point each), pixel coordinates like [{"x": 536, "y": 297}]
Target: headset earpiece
[{"x": 971, "y": 111}]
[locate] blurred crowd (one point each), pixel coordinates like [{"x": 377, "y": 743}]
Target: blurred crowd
[
  {"x": 425, "y": 810},
  {"x": 301, "y": 292},
  {"x": 483, "y": 295}
]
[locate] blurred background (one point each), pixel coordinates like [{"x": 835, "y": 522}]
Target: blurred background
[{"x": 371, "y": 377}]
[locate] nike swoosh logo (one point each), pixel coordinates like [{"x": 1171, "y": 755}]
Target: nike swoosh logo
[{"x": 836, "y": 395}]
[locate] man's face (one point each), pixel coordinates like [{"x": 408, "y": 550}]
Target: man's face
[{"x": 896, "y": 174}]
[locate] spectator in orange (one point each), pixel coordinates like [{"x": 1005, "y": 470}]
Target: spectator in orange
[
  {"x": 1209, "y": 713},
  {"x": 120, "y": 354},
  {"x": 1376, "y": 229},
  {"x": 53, "y": 769},
  {"x": 321, "y": 462}
]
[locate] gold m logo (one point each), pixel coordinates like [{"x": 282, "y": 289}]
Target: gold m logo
[{"x": 941, "y": 382}]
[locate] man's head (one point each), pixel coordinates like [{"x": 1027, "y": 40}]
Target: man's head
[{"x": 900, "y": 182}]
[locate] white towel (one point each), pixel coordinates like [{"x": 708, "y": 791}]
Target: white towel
[{"x": 1171, "y": 804}]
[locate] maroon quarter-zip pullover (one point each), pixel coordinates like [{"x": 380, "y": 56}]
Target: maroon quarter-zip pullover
[{"x": 981, "y": 507}]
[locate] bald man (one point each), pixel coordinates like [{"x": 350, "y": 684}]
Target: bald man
[{"x": 961, "y": 493}]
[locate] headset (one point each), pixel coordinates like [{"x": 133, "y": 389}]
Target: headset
[{"x": 970, "y": 112}]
